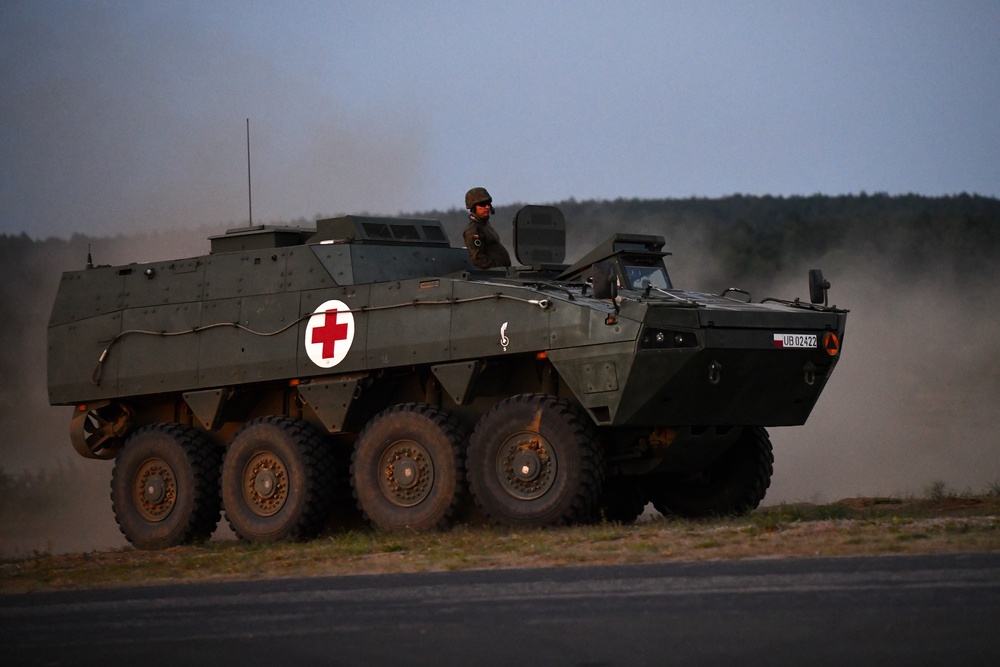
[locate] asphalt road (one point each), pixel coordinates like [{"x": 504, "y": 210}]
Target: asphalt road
[{"x": 885, "y": 611}]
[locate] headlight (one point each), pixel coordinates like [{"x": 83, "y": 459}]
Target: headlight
[{"x": 661, "y": 339}]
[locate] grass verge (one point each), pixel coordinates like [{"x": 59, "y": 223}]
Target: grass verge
[{"x": 852, "y": 527}]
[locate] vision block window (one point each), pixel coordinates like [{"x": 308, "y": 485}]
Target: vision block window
[
  {"x": 376, "y": 230},
  {"x": 405, "y": 232},
  {"x": 432, "y": 233}
]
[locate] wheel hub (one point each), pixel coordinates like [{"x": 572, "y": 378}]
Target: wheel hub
[
  {"x": 526, "y": 465},
  {"x": 155, "y": 489},
  {"x": 406, "y": 473},
  {"x": 154, "y": 492},
  {"x": 265, "y": 484}
]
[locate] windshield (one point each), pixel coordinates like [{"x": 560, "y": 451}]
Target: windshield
[{"x": 641, "y": 277}]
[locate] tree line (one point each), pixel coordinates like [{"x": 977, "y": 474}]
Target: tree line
[{"x": 733, "y": 237}]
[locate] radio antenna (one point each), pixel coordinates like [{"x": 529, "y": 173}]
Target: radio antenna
[{"x": 249, "y": 182}]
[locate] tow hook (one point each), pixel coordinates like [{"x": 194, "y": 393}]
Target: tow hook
[{"x": 714, "y": 372}]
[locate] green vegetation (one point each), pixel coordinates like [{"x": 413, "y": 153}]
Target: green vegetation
[
  {"x": 765, "y": 237},
  {"x": 850, "y": 527}
]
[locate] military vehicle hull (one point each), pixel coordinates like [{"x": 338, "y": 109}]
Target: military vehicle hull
[{"x": 370, "y": 346}]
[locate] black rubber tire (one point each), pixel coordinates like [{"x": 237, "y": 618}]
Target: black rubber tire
[
  {"x": 732, "y": 485},
  {"x": 535, "y": 461},
  {"x": 408, "y": 468},
  {"x": 622, "y": 501},
  {"x": 165, "y": 487},
  {"x": 277, "y": 480}
]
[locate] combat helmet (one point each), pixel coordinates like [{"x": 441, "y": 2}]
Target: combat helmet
[{"x": 477, "y": 196}]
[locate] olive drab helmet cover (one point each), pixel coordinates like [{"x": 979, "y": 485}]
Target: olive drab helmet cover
[{"x": 477, "y": 196}]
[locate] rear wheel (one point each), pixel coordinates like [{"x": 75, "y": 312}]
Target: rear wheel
[
  {"x": 735, "y": 483},
  {"x": 165, "y": 487},
  {"x": 408, "y": 468},
  {"x": 535, "y": 460},
  {"x": 277, "y": 480}
]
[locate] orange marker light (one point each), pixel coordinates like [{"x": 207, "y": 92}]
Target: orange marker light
[{"x": 831, "y": 344}]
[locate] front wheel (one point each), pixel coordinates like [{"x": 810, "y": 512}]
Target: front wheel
[
  {"x": 535, "y": 460},
  {"x": 733, "y": 484},
  {"x": 165, "y": 487}
]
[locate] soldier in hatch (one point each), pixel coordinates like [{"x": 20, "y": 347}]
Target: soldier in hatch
[{"x": 481, "y": 239}]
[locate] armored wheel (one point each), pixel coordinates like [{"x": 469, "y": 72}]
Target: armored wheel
[
  {"x": 535, "y": 460},
  {"x": 408, "y": 468},
  {"x": 277, "y": 480},
  {"x": 733, "y": 484},
  {"x": 165, "y": 487}
]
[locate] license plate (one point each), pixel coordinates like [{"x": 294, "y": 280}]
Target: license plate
[{"x": 794, "y": 340}]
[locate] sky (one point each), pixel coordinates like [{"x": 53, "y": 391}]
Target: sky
[{"x": 128, "y": 116}]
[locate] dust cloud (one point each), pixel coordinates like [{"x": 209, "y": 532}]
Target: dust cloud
[
  {"x": 71, "y": 510},
  {"x": 913, "y": 400}
]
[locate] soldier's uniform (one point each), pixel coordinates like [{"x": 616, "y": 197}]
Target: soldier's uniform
[
  {"x": 481, "y": 239},
  {"x": 484, "y": 244}
]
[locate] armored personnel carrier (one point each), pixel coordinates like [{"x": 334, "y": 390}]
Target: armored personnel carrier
[{"x": 259, "y": 377}]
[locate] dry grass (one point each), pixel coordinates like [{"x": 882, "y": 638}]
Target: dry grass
[{"x": 853, "y": 527}]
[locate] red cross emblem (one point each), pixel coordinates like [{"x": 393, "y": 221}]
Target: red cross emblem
[{"x": 329, "y": 333}]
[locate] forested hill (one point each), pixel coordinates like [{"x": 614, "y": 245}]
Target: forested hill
[
  {"x": 913, "y": 228},
  {"x": 725, "y": 238},
  {"x": 734, "y": 237}
]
